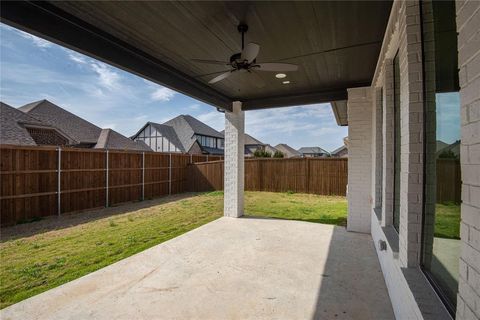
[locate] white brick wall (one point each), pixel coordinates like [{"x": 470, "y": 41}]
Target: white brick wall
[
  {"x": 468, "y": 27},
  {"x": 411, "y": 294},
  {"x": 234, "y": 161},
  {"x": 359, "y": 107}
]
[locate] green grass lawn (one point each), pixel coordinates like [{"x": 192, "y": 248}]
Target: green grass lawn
[
  {"x": 297, "y": 206},
  {"x": 31, "y": 264},
  {"x": 447, "y": 221}
]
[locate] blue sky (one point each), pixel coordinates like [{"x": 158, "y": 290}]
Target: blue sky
[
  {"x": 448, "y": 116},
  {"x": 33, "y": 69}
]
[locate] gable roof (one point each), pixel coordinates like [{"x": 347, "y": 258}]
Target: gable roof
[
  {"x": 312, "y": 150},
  {"x": 271, "y": 149},
  {"x": 454, "y": 147},
  {"x": 12, "y": 131},
  {"x": 287, "y": 150},
  {"x": 110, "y": 139},
  {"x": 338, "y": 150},
  {"x": 169, "y": 133},
  {"x": 186, "y": 127},
  {"x": 249, "y": 140},
  {"x": 440, "y": 145},
  {"x": 75, "y": 127}
]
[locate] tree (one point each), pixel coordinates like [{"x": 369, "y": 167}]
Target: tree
[
  {"x": 447, "y": 154},
  {"x": 260, "y": 153},
  {"x": 278, "y": 154}
]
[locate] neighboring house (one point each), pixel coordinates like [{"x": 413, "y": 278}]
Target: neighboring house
[
  {"x": 288, "y": 152},
  {"x": 313, "y": 152},
  {"x": 449, "y": 150},
  {"x": 181, "y": 134},
  {"x": 252, "y": 144},
  {"x": 440, "y": 145},
  {"x": 112, "y": 140},
  {"x": 18, "y": 128},
  {"x": 271, "y": 149},
  {"x": 159, "y": 137},
  {"x": 82, "y": 134},
  {"x": 341, "y": 152}
]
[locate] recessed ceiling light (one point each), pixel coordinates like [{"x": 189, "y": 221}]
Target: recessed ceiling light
[
  {"x": 280, "y": 75},
  {"x": 286, "y": 82}
]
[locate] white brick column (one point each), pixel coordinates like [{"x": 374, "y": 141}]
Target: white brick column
[
  {"x": 234, "y": 161},
  {"x": 468, "y": 28},
  {"x": 359, "y": 108}
]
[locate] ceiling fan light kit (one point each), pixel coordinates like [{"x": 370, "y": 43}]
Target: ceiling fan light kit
[{"x": 245, "y": 62}]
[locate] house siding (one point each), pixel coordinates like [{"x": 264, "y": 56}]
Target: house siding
[{"x": 155, "y": 140}]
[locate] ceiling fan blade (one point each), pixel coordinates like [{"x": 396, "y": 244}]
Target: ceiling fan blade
[
  {"x": 250, "y": 52},
  {"x": 223, "y": 63},
  {"x": 276, "y": 67},
  {"x": 256, "y": 79},
  {"x": 221, "y": 77}
]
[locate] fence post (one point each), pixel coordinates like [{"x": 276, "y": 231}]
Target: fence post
[
  {"x": 207, "y": 157},
  {"x": 143, "y": 176},
  {"x": 191, "y": 161},
  {"x": 106, "y": 180},
  {"x": 307, "y": 176},
  {"x": 59, "y": 182},
  {"x": 170, "y": 174},
  {"x": 261, "y": 174}
]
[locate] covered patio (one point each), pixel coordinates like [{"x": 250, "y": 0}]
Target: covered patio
[{"x": 248, "y": 268}]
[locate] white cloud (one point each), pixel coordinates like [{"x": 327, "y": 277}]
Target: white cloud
[
  {"x": 162, "y": 94},
  {"x": 214, "y": 119},
  {"x": 77, "y": 58},
  {"x": 39, "y": 42},
  {"x": 108, "y": 126},
  {"x": 107, "y": 76},
  {"x": 194, "y": 106}
]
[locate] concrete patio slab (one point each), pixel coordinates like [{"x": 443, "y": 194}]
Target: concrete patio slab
[{"x": 244, "y": 268}]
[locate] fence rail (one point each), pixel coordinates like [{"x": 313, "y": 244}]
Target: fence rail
[
  {"x": 324, "y": 176},
  {"x": 43, "y": 181}
]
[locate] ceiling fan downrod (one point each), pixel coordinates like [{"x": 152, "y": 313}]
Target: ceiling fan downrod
[{"x": 242, "y": 28}]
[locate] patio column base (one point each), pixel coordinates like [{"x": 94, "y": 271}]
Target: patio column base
[{"x": 234, "y": 161}]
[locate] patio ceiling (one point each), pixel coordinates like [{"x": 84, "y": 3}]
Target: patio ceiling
[{"x": 335, "y": 43}]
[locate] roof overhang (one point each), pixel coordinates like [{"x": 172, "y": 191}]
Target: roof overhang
[
  {"x": 340, "y": 112},
  {"x": 158, "y": 40}
]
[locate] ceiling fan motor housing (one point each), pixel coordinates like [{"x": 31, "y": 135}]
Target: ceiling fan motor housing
[{"x": 237, "y": 62}]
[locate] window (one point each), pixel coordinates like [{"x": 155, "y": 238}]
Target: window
[
  {"x": 397, "y": 143},
  {"x": 442, "y": 189}
]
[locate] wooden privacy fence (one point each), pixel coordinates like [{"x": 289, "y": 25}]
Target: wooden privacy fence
[
  {"x": 449, "y": 181},
  {"x": 326, "y": 176},
  {"x": 41, "y": 181}
]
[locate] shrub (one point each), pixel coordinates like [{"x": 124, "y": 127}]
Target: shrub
[
  {"x": 447, "y": 154},
  {"x": 260, "y": 153},
  {"x": 278, "y": 154}
]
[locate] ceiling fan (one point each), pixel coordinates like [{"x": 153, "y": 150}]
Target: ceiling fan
[{"x": 245, "y": 62}]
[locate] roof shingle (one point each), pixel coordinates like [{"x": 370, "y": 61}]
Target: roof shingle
[{"x": 75, "y": 127}]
